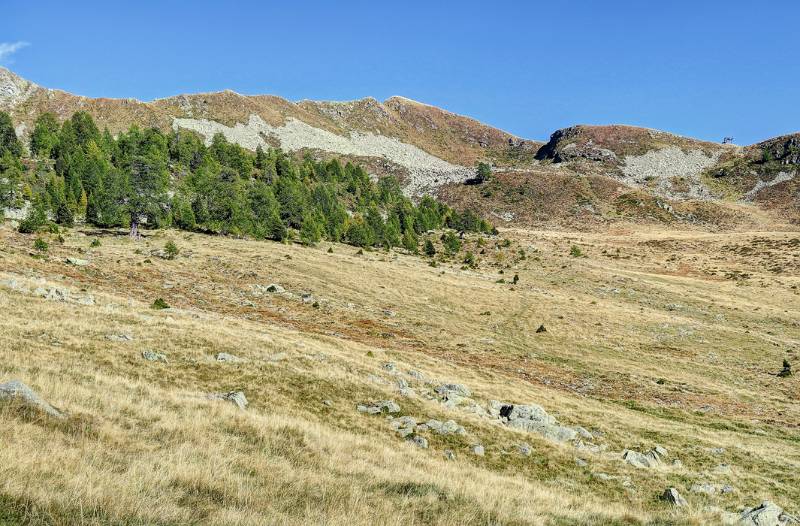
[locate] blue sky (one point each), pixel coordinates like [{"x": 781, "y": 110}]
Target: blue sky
[{"x": 699, "y": 68}]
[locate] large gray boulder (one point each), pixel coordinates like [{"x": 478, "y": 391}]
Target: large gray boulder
[
  {"x": 16, "y": 391},
  {"x": 533, "y": 418},
  {"x": 767, "y": 514}
]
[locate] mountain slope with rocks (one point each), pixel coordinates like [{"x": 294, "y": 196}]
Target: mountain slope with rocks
[
  {"x": 656, "y": 177},
  {"x": 628, "y": 378}
]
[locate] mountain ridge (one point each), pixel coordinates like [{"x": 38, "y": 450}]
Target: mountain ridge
[{"x": 434, "y": 151}]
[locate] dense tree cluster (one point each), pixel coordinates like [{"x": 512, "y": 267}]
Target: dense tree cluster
[{"x": 148, "y": 178}]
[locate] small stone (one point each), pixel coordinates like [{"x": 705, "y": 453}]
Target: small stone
[
  {"x": 449, "y": 455},
  {"x": 236, "y": 397},
  {"x": 277, "y": 357},
  {"x": 419, "y": 441},
  {"x": 705, "y": 487},
  {"x": 581, "y": 462},
  {"x": 717, "y": 450},
  {"x": 328, "y": 403},
  {"x": 225, "y": 357},
  {"x": 77, "y": 262},
  {"x": 478, "y": 450},
  {"x": 274, "y": 288},
  {"x": 672, "y": 496},
  {"x": 541, "y": 329},
  {"x": 390, "y": 367},
  {"x": 525, "y": 449},
  {"x": 152, "y": 356}
]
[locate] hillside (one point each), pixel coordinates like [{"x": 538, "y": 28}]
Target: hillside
[
  {"x": 433, "y": 151},
  {"x": 657, "y": 349}
]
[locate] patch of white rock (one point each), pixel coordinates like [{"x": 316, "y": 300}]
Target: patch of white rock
[
  {"x": 657, "y": 169},
  {"x": 426, "y": 171}
]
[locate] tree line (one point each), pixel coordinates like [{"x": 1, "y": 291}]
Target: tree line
[{"x": 144, "y": 178}]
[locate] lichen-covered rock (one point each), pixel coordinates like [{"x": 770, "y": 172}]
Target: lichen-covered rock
[
  {"x": 651, "y": 459},
  {"x": 672, "y": 496},
  {"x": 449, "y": 391},
  {"x": 152, "y": 356},
  {"x": 445, "y": 428},
  {"x": 533, "y": 418},
  {"x": 16, "y": 391},
  {"x": 767, "y": 514},
  {"x": 374, "y": 408}
]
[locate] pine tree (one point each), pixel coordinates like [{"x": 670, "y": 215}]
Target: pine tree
[{"x": 8, "y": 137}]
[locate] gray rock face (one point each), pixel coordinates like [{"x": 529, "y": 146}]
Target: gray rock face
[
  {"x": 16, "y": 391},
  {"x": 672, "y": 496},
  {"x": 374, "y": 408},
  {"x": 767, "y": 514},
  {"x": 152, "y": 356}
]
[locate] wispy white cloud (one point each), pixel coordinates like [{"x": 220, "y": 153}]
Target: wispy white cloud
[{"x": 9, "y": 48}]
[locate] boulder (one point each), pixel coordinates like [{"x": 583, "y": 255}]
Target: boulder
[
  {"x": 274, "y": 288},
  {"x": 225, "y": 357},
  {"x": 704, "y": 487},
  {"x": 152, "y": 356},
  {"x": 525, "y": 449},
  {"x": 419, "y": 441},
  {"x": 532, "y": 418},
  {"x": 445, "y": 428},
  {"x": 122, "y": 337},
  {"x": 449, "y": 391},
  {"x": 651, "y": 459},
  {"x": 766, "y": 514},
  {"x": 405, "y": 425},
  {"x": 16, "y": 391},
  {"x": 374, "y": 408},
  {"x": 236, "y": 397},
  {"x": 77, "y": 262},
  {"x": 672, "y": 496}
]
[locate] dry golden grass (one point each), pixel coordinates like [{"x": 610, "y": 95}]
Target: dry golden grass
[{"x": 653, "y": 337}]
